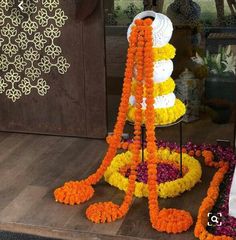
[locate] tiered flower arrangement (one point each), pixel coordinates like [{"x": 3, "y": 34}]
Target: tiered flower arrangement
[
  {"x": 140, "y": 56},
  {"x": 167, "y": 109}
]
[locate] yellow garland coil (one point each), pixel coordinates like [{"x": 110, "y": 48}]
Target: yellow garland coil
[
  {"x": 162, "y": 115},
  {"x": 166, "y": 190},
  {"x": 164, "y": 53},
  {"x": 160, "y": 89}
]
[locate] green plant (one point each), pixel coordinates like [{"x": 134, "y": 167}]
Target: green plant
[
  {"x": 221, "y": 63},
  {"x": 131, "y": 11},
  {"x": 111, "y": 17}
]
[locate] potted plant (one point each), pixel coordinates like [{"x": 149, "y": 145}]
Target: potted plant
[{"x": 220, "y": 82}]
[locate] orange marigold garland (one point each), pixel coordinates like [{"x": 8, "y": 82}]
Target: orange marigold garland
[
  {"x": 69, "y": 195},
  {"x": 169, "y": 220},
  {"x": 99, "y": 211},
  {"x": 166, "y": 220},
  {"x": 138, "y": 121},
  {"x": 210, "y": 200},
  {"x": 150, "y": 128}
]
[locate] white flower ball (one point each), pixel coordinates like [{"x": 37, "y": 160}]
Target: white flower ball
[{"x": 162, "y": 70}]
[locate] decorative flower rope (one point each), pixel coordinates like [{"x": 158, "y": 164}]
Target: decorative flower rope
[
  {"x": 69, "y": 195},
  {"x": 209, "y": 201},
  {"x": 168, "y": 220},
  {"x": 123, "y": 209}
]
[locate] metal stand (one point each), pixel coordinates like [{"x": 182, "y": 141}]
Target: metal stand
[
  {"x": 181, "y": 147},
  {"x": 179, "y": 121},
  {"x": 142, "y": 141}
]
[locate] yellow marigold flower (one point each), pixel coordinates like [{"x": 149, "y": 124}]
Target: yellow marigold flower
[
  {"x": 159, "y": 89},
  {"x": 164, "y": 53},
  {"x": 168, "y": 189},
  {"x": 162, "y": 115}
]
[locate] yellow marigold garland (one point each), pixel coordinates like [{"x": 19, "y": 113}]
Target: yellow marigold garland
[
  {"x": 168, "y": 189},
  {"x": 162, "y": 115},
  {"x": 164, "y": 53},
  {"x": 159, "y": 89}
]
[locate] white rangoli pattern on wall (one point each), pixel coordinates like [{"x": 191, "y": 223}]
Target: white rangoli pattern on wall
[{"x": 28, "y": 46}]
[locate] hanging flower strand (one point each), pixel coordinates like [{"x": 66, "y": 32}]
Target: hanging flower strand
[
  {"x": 165, "y": 220},
  {"x": 140, "y": 52},
  {"x": 108, "y": 211},
  {"x": 76, "y": 192}
]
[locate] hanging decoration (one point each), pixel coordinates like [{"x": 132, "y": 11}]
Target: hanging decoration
[{"x": 149, "y": 30}]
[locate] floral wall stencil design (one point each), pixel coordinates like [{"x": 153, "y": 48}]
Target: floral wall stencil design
[{"x": 28, "y": 46}]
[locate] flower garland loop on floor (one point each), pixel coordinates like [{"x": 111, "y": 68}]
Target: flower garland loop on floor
[{"x": 167, "y": 189}]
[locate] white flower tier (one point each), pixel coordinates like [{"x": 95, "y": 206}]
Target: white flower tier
[
  {"x": 162, "y": 70},
  {"x": 165, "y": 101}
]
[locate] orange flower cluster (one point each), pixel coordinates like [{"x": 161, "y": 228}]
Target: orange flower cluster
[
  {"x": 123, "y": 209},
  {"x": 173, "y": 221},
  {"x": 122, "y": 145},
  {"x": 150, "y": 127},
  {"x": 103, "y": 212},
  {"x": 209, "y": 157},
  {"x": 138, "y": 120},
  {"x": 63, "y": 193},
  {"x": 210, "y": 200},
  {"x": 74, "y": 192},
  {"x": 170, "y": 220},
  {"x": 164, "y": 220}
]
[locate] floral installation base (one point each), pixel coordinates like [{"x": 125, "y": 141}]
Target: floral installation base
[
  {"x": 116, "y": 174},
  {"x": 217, "y": 198}
]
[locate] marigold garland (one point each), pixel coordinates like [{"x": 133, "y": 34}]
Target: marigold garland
[
  {"x": 158, "y": 223},
  {"x": 98, "y": 209},
  {"x": 210, "y": 200},
  {"x": 174, "y": 221},
  {"x": 165, "y": 190},
  {"x": 74, "y": 192},
  {"x": 140, "y": 52},
  {"x": 162, "y": 115},
  {"x": 103, "y": 212},
  {"x": 164, "y": 53},
  {"x": 160, "y": 89},
  {"x": 61, "y": 194}
]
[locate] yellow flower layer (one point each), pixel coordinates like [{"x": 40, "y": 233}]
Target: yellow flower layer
[
  {"x": 168, "y": 189},
  {"x": 160, "y": 89},
  {"x": 164, "y": 53},
  {"x": 162, "y": 115}
]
